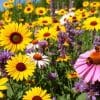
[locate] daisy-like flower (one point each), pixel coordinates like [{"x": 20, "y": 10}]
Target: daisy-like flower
[
  {"x": 85, "y": 3},
  {"x": 64, "y": 18},
  {"x": 61, "y": 12},
  {"x": 88, "y": 66},
  {"x": 92, "y": 23},
  {"x": 71, "y": 75},
  {"x": 39, "y": 59},
  {"x": 11, "y": 1},
  {"x": 41, "y": 11},
  {"x": 63, "y": 58},
  {"x": 58, "y": 27},
  {"x": 46, "y": 33},
  {"x": 20, "y": 67},
  {"x": 33, "y": 45},
  {"x": 3, "y": 86},
  {"x": 16, "y": 38},
  {"x": 44, "y": 21},
  {"x": 37, "y": 93},
  {"x": 6, "y": 4},
  {"x": 28, "y": 9},
  {"x": 48, "y": 1}
]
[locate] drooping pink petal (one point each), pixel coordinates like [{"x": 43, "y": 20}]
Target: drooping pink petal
[
  {"x": 97, "y": 74},
  {"x": 82, "y": 68},
  {"x": 85, "y": 72},
  {"x": 90, "y": 74}
]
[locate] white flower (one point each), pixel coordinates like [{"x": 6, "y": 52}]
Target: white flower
[
  {"x": 33, "y": 45},
  {"x": 39, "y": 59},
  {"x": 65, "y": 17}
]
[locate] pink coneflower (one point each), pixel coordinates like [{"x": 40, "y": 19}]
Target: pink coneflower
[{"x": 88, "y": 65}]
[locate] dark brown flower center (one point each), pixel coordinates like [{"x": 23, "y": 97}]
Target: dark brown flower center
[
  {"x": 28, "y": 9},
  {"x": 36, "y": 98},
  {"x": 41, "y": 11},
  {"x": 55, "y": 20},
  {"x": 46, "y": 34},
  {"x": 93, "y": 23},
  {"x": 92, "y": 10},
  {"x": 44, "y": 21},
  {"x": 16, "y": 38},
  {"x": 58, "y": 28},
  {"x": 20, "y": 66},
  {"x": 37, "y": 56},
  {"x": 94, "y": 58}
]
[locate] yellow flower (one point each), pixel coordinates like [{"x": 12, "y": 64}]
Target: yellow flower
[
  {"x": 46, "y": 33},
  {"x": 28, "y": 9},
  {"x": 80, "y": 11},
  {"x": 92, "y": 23},
  {"x": 58, "y": 27},
  {"x": 11, "y": 1},
  {"x": 20, "y": 67},
  {"x": 3, "y": 86},
  {"x": 37, "y": 93},
  {"x": 48, "y": 1},
  {"x": 85, "y": 3},
  {"x": 73, "y": 19},
  {"x": 61, "y": 12},
  {"x": 62, "y": 59},
  {"x": 93, "y": 11},
  {"x": 7, "y": 19},
  {"x": 6, "y": 4},
  {"x": 19, "y": 6},
  {"x": 15, "y": 37},
  {"x": 41, "y": 11},
  {"x": 10, "y": 5},
  {"x": 83, "y": 15},
  {"x": 71, "y": 75},
  {"x": 45, "y": 21},
  {"x": 94, "y": 4}
]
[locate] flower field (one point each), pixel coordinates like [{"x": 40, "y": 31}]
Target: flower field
[{"x": 50, "y": 50}]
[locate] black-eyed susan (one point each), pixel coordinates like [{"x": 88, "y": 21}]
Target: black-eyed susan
[
  {"x": 37, "y": 93},
  {"x": 93, "y": 11},
  {"x": 46, "y": 33},
  {"x": 15, "y": 37},
  {"x": 5, "y": 4},
  {"x": 58, "y": 27},
  {"x": 11, "y": 1},
  {"x": 71, "y": 75},
  {"x": 10, "y": 5},
  {"x": 73, "y": 19},
  {"x": 19, "y": 6},
  {"x": 3, "y": 86},
  {"x": 41, "y": 11},
  {"x": 85, "y": 4},
  {"x": 40, "y": 60},
  {"x": 7, "y": 19},
  {"x": 94, "y": 4},
  {"x": 45, "y": 21},
  {"x": 20, "y": 67},
  {"x": 28, "y": 9},
  {"x": 61, "y": 12},
  {"x": 79, "y": 11},
  {"x": 92, "y": 23},
  {"x": 63, "y": 59},
  {"x": 83, "y": 15},
  {"x": 48, "y": 1}
]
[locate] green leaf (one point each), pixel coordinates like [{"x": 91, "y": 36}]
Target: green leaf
[{"x": 81, "y": 96}]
